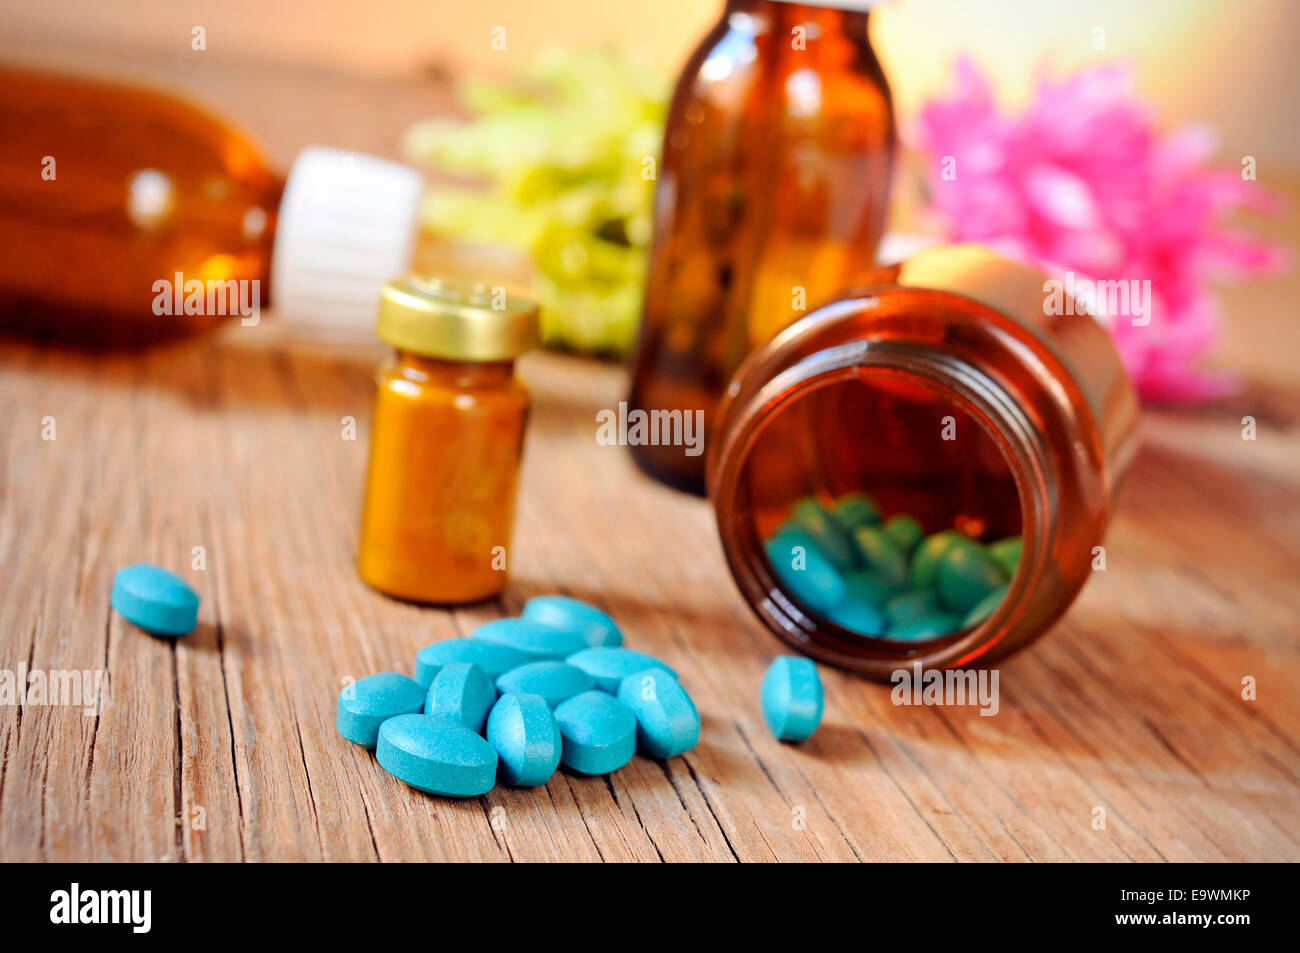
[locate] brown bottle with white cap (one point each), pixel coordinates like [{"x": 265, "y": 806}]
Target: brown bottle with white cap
[{"x": 129, "y": 216}]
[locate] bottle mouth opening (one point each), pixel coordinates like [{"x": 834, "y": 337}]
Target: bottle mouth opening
[{"x": 880, "y": 505}]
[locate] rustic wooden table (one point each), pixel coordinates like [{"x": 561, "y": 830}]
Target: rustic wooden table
[{"x": 221, "y": 746}]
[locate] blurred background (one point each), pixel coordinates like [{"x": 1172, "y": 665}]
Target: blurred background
[
  {"x": 1228, "y": 62},
  {"x": 360, "y": 76}
]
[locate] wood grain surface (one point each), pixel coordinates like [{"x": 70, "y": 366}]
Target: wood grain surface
[{"x": 221, "y": 746}]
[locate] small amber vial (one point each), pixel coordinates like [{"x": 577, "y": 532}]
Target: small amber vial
[
  {"x": 950, "y": 389},
  {"x": 446, "y": 441}
]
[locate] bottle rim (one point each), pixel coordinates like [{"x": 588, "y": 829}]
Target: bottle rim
[{"x": 985, "y": 400}]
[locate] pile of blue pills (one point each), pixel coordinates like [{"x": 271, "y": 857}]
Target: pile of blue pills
[
  {"x": 887, "y": 579},
  {"x": 518, "y": 698}
]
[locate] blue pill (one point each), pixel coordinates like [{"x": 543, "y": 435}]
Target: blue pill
[
  {"x": 1006, "y": 553},
  {"x": 804, "y": 570},
  {"x": 667, "y": 723},
  {"x": 598, "y": 733},
  {"x": 609, "y": 666},
  {"x": 574, "y": 615},
  {"x": 880, "y": 554},
  {"x": 436, "y": 754},
  {"x": 792, "y": 698},
  {"x": 463, "y": 692},
  {"x": 155, "y": 599},
  {"x": 538, "y": 642},
  {"x": 526, "y": 736},
  {"x": 858, "y": 614},
  {"x": 368, "y": 702},
  {"x": 554, "y": 681},
  {"x": 495, "y": 660},
  {"x": 904, "y": 530},
  {"x": 856, "y": 509},
  {"x": 985, "y": 607}
]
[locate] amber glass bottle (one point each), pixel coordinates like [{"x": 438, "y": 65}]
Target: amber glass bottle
[
  {"x": 446, "y": 442},
  {"x": 112, "y": 194},
  {"x": 949, "y": 391},
  {"x": 771, "y": 199}
]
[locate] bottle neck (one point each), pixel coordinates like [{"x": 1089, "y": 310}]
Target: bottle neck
[
  {"x": 432, "y": 370},
  {"x": 818, "y": 36}
]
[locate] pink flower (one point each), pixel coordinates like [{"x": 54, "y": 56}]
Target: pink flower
[{"x": 1083, "y": 182}]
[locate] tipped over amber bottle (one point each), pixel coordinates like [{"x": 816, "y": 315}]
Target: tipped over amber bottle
[
  {"x": 947, "y": 389},
  {"x": 771, "y": 199}
]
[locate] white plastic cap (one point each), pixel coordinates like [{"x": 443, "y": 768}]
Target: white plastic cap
[{"x": 347, "y": 224}]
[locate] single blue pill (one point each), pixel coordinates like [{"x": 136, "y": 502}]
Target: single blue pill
[
  {"x": 598, "y": 732},
  {"x": 368, "y": 702},
  {"x": 463, "y": 692},
  {"x": 904, "y": 530},
  {"x": 609, "y": 666},
  {"x": 554, "y": 681},
  {"x": 493, "y": 659},
  {"x": 436, "y": 754},
  {"x": 667, "y": 723},
  {"x": 792, "y": 698},
  {"x": 966, "y": 575},
  {"x": 539, "y": 642},
  {"x": 526, "y": 736},
  {"x": 803, "y": 569},
  {"x": 574, "y": 615},
  {"x": 155, "y": 599}
]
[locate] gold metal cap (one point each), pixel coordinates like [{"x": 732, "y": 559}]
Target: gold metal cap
[{"x": 456, "y": 322}]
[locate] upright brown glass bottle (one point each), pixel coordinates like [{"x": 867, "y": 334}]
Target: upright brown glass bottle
[{"x": 771, "y": 199}]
